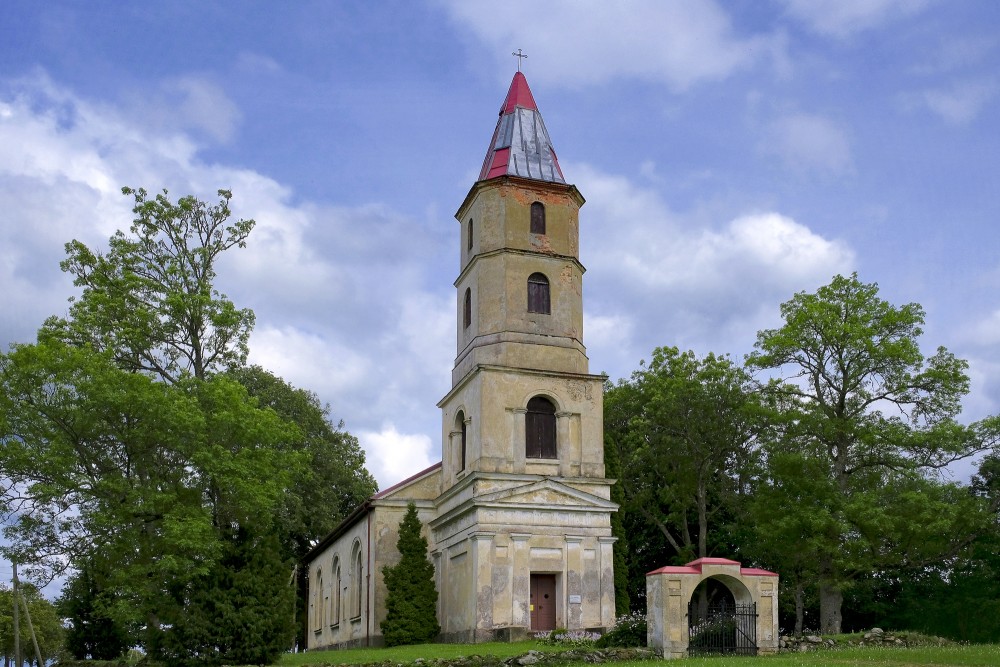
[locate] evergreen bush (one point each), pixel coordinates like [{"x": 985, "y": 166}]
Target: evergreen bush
[{"x": 411, "y": 603}]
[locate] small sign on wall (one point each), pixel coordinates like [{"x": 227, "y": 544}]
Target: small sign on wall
[{"x": 575, "y": 599}]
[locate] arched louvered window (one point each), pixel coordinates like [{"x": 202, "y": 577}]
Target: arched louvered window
[
  {"x": 537, "y": 218},
  {"x": 540, "y": 429},
  {"x": 467, "y": 308},
  {"x": 538, "y": 294}
]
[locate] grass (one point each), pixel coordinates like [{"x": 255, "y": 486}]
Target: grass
[
  {"x": 982, "y": 655},
  {"x": 407, "y": 654},
  {"x": 986, "y": 655}
]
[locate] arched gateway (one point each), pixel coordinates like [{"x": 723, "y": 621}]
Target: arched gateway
[{"x": 750, "y": 623}]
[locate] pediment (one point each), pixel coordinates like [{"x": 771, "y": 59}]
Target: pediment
[{"x": 546, "y": 492}]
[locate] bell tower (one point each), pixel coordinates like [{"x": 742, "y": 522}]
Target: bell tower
[
  {"x": 521, "y": 369},
  {"x": 523, "y": 529}
]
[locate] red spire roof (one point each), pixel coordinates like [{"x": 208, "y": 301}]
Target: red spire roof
[
  {"x": 521, "y": 144},
  {"x": 519, "y": 95}
]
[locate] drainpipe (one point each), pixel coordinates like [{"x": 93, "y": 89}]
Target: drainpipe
[{"x": 368, "y": 582}]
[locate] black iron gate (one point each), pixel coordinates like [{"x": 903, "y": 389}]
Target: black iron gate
[{"x": 722, "y": 628}]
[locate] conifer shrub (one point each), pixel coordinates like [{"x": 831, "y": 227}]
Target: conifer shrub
[{"x": 411, "y": 603}]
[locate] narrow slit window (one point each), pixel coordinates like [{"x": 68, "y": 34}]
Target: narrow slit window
[
  {"x": 470, "y": 233},
  {"x": 538, "y": 294},
  {"x": 537, "y": 218},
  {"x": 467, "y": 308},
  {"x": 464, "y": 431}
]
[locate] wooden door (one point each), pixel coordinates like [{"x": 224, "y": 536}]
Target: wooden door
[{"x": 543, "y": 602}]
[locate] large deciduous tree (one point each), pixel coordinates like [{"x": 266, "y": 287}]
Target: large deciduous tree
[
  {"x": 335, "y": 478},
  {"x": 411, "y": 599},
  {"x": 134, "y": 448},
  {"x": 686, "y": 429},
  {"x": 866, "y": 416},
  {"x": 151, "y": 300}
]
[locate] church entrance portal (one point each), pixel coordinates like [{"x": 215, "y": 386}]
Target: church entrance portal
[{"x": 543, "y": 602}]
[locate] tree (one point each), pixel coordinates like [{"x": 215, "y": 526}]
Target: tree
[
  {"x": 127, "y": 449},
  {"x": 92, "y": 632},
  {"x": 151, "y": 301},
  {"x": 44, "y": 619},
  {"x": 334, "y": 479},
  {"x": 137, "y": 477},
  {"x": 238, "y": 613},
  {"x": 686, "y": 430},
  {"x": 868, "y": 414},
  {"x": 411, "y": 602}
]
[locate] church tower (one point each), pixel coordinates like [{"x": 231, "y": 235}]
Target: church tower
[{"x": 522, "y": 537}]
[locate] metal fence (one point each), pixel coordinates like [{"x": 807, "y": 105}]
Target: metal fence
[{"x": 725, "y": 628}]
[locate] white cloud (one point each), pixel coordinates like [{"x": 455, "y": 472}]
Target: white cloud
[
  {"x": 672, "y": 279},
  {"x": 345, "y": 299},
  {"x": 394, "y": 456},
  {"x": 842, "y": 18},
  {"x": 809, "y": 142},
  {"x": 961, "y": 102},
  {"x": 575, "y": 42},
  {"x": 986, "y": 331},
  {"x": 188, "y": 103}
]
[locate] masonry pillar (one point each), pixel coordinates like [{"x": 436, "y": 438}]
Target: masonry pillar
[
  {"x": 563, "y": 438},
  {"x": 482, "y": 577},
  {"x": 521, "y": 580},
  {"x": 574, "y": 583},
  {"x": 606, "y": 563},
  {"x": 517, "y": 438}
]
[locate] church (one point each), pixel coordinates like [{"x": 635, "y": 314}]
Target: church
[{"x": 518, "y": 513}]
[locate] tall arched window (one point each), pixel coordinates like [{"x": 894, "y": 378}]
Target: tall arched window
[
  {"x": 537, "y": 218},
  {"x": 359, "y": 585},
  {"x": 470, "y": 234},
  {"x": 538, "y": 294},
  {"x": 467, "y": 308},
  {"x": 318, "y": 602},
  {"x": 540, "y": 429},
  {"x": 335, "y": 593}
]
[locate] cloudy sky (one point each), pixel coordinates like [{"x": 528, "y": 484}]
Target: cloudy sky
[{"x": 731, "y": 155}]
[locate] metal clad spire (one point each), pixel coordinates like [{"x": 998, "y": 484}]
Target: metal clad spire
[{"x": 521, "y": 144}]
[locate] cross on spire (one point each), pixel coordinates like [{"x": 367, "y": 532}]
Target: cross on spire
[{"x": 517, "y": 54}]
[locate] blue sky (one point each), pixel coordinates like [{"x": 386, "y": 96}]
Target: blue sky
[{"x": 731, "y": 155}]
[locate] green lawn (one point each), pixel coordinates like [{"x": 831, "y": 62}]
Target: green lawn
[
  {"x": 933, "y": 656},
  {"x": 404, "y": 654}
]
